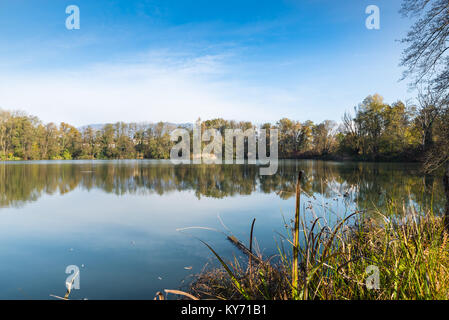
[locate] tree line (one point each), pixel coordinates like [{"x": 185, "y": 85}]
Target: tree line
[
  {"x": 375, "y": 130},
  {"x": 24, "y": 137}
]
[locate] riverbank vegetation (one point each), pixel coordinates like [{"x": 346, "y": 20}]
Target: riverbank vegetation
[
  {"x": 404, "y": 255},
  {"x": 400, "y": 253},
  {"x": 374, "y": 131}
]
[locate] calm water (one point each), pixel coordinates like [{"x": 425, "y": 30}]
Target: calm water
[{"x": 117, "y": 220}]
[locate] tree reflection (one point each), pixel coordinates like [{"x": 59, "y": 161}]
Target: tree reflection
[{"x": 367, "y": 184}]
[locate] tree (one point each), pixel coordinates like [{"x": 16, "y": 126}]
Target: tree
[
  {"x": 379, "y": 130},
  {"x": 371, "y": 123},
  {"x": 90, "y": 147},
  {"x": 107, "y": 141},
  {"x": 427, "y": 60},
  {"x": 287, "y": 137},
  {"x": 351, "y": 140},
  {"x": 304, "y": 136},
  {"x": 429, "y": 106},
  {"x": 427, "y": 56},
  {"x": 398, "y": 136},
  {"x": 124, "y": 137},
  {"x": 53, "y": 147},
  {"x": 5, "y": 117},
  {"x": 324, "y": 137},
  {"x": 70, "y": 141}
]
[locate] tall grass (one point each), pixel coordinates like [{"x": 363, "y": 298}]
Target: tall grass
[{"x": 408, "y": 250}]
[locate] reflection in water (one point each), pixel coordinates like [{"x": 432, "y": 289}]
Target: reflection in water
[
  {"x": 111, "y": 217},
  {"x": 367, "y": 184}
]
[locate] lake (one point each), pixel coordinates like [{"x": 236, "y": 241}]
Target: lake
[{"x": 119, "y": 221}]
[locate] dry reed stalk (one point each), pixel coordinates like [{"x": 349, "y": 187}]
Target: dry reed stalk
[{"x": 295, "y": 274}]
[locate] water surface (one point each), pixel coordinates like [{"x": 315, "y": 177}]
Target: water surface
[{"x": 117, "y": 220}]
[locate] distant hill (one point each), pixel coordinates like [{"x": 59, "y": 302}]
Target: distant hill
[
  {"x": 96, "y": 126},
  {"x": 99, "y": 126}
]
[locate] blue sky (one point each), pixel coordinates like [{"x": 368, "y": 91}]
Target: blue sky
[{"x": 180, "y": 60}]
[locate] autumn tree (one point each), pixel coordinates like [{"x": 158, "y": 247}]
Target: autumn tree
[
  {"x": 429, "y": 108},
  {"x": 324, "y": 135}
]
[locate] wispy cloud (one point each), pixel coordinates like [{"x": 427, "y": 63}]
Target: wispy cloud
[{"x": 164, "y": 87}]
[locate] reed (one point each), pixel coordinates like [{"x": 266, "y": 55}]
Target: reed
[
  {"x": 295, "y": 273},
  {"x": 408, "y": 250}
]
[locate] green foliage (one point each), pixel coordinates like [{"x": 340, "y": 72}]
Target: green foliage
[
  {"x": 23, "y": 137},
  {"x": 380, "y": 131},
  {"x": 66, "y": 155},
  {"x": 377, "y": 131}
]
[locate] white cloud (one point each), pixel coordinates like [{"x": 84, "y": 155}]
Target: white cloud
[{"x": 163, "y": 86}]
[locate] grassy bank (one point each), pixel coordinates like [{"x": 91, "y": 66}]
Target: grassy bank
[{"x": 400, "y": 254}]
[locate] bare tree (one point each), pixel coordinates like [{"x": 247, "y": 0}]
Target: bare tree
[
  {"x": 351, "y": 129},
  {"x": 427, "y": 56},
  {"x": 427, "y": 60},
  {"x": 430, "y": 105}
]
